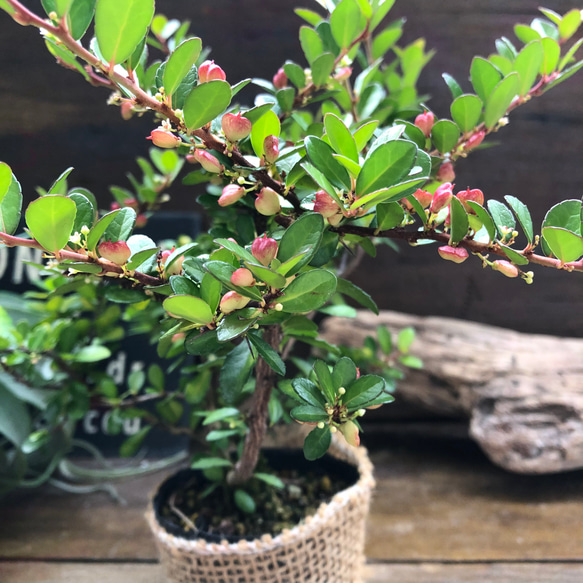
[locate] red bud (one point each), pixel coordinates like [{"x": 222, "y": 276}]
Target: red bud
[
  {"x": 424, "y": 121},
  {"x": 231, "y": 194},
  {"x": 264, "y": 249},
  {"x": 267, "y": 202},
  {"x": 164, "y": 139},
  {"x": 455, "y": 254},
  {"x": 446, "y": 172},
  {"x": 280, "y": 79},
  {"x": 235, "y": 126},
  {"x": 325, "y": 204},
  {"x": 242, "y": 277},
  {"x": 343, "y": 73},
  {"x": 209, "y": 162},
  {"x": 208, "y": 71},
  {"x": 271, "y": 149},
  {"x": 475, "y": 140},
  {"x": 423, "y": 197},
  {"x": 441, "y": 197},
  {"x": 505, "y": 268},
  {"x": 475, "y": 195},
  {"x": 117, "y": 252},
  {"x": 350, "y": 432},
  {"x": 233, "y": 301}
]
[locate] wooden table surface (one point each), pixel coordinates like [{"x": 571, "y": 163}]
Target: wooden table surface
[{"x": 442, "y": 513}]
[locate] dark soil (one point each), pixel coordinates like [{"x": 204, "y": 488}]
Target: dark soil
[{"x": 180, "y": 503}]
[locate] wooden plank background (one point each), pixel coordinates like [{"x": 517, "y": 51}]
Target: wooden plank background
[{"x": 50, "y": 119}]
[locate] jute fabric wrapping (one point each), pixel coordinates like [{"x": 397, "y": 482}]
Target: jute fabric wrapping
[{"x": 326, "y": 548}]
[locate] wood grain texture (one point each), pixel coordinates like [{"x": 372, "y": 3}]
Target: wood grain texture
[{"x": 522, "y": 393}]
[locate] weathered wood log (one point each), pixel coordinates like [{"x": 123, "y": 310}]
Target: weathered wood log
[{"x": 522, "y": 393}]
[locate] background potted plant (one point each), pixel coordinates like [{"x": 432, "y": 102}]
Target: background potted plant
[{"x": 330, "y": 160}]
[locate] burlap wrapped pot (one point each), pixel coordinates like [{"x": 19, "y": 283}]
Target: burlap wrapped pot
[{"x": 326, "y": 548}]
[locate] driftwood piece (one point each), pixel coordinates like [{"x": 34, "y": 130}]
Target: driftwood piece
[{"x": 523, "y": 393}]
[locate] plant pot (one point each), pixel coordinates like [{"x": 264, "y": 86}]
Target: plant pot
[{"x": 326, "y": 547}]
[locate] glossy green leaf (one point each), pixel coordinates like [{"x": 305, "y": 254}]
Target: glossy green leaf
[
  {"x": 180, "y": 63},
  {"x": 267, "y": 125},
  {"x": 10, "y": 205},
  {"x": 269, "y": 355},
  {"x": 364, "y": 133},
  {"x": 223, "y": 271},
  {"x": 525, "y": 33},
  {"x": 386, "y": 39},
  {"x": 85, "y": 213},
  {"x": 552, "y": 54},
  {"x": 386, "y": 166},
  {"x": 466, "y": 111},
  {"x": 389, "y": 215},
  {"x": 324, "y": 31},
  {"x": 59, "y": 186},
  {"x": 500, "y": 99},
  {"x": 255, "y": 113},
  {"x": 99, "y": 228},
  {"x": 235, "y": 248},
  {"x": 309, "y": 16},
  {"x": 513, "y": 255},
  {"x": 120, "y": 26},
  {"x": 303, "y": 236},
  {"x": 317, "y": 443},
  {"x": 244, "y": 501},
  {"x": 311, "y": 43},
  {"x": 189, "y": 308},
  {"x": 233, "y": 325},
  {"x": 523, "y": 215},
  {"x": 205, "y": 102},
  {"x": 396, "y": 192},
  {"x": 346, "y": 21},
  {"x": 133, "y": 443},
  {"x": 80, "y": 16},
  {"x": 352, "y": 167},
  {"x": 5, "y": 179},
  {"x": 506, "y": 49},
  {"x": 506, "y": 66},
  {"x": 364, "y": 389},
  {"x": 459, "y": 222},
  {"x": 502, "y": 216},
  {"x": 344, "y": 373},
  {"x": 235, "y": 371},
  {"x": 295, "y": 74},
  {"x": 206, "y": 463},
  {"x": 210, "y": 291},
  {"x": 485, "y": 219},
  {"x": 347, "y": 288},
  {"x": 565, "y": 245},
  {"x": 308, "y": 291},
  {"x": 340, "y": 137},
  {"x": 285, "y": 99},
  {"x": 322, "y": 68},
  {"x": 309, "y": 392},
  {"x": 202, "y": 344},
  {"x": 484, "y": 76},
  {"x": 270, "y": 277},
  {"x": 569, "y": 24},
  {"x": 528, "y": 64},
  {"x": 320, "y": 155},
  {"x": 566, "y": 214},
  {"x": 454, "y": 86},
  {"x": 92, "y": 353},
  {"x": 309, "y": 414},
  {"x": 121, "y": 226},
  {"x": 381, "y": 9},
  {"x": 50, "y": 220},
  {"x": 445, "y": 135}
]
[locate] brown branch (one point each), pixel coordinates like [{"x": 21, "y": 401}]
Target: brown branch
[{"x": 257, "y": 420}]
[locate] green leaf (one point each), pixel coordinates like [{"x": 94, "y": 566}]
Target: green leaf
[
  {"x": 445, "y": 135},
  {"x": 570, "y": 54},
  {"x": 270, "y": 277},
  {"x": 405, "y": 339},
  {"x": 386, "y": 39},
  {"x": 202, "y": 344},
  {"x": 322, "y": 68},
  {"x": 39, "y": 398},
  {"x": 484, "y": 77},
  {"x": 459, "y": 222},
  {"x": 180, "y": 63},
  {"x": 302, "y": 237},
  {"x": 523, "y": 215},
  {"x": 121, "y": 226},
  {"x": 364, "y": 389},
  {"x": 92, "y": 353},
  {"x": 320, "y": 155},
  {"x": 80, "y": 17},
  {"x": 220, "y": 415},
  {"x": 307, "y": 391},
  {"x": 325, "y": 379},
  {"x": 239, "y": 251},
  {"x": 364, "y": 133},
  {"x": 525, "y": 33},
  {"x": 386, "y": 166},
  {"x": 485, "y": 218},
  {"x": 235, "y": 372},
  {"x": 10, "y": 207},
  {"x": 565, "y": 245},
  {"x": 285, "y": 98},
  {"x": 347, "y": 288},
  {"x": 569, "y": 24},
  {"x": 528, "y": 64},
  {"x": 233, "y": 326},
  {"x": 345, "y": 22},
  {"x": 119, "y": 27},
  {"x": 552, "y": 54},
  {"x": 269, "y": 479},
  {"x": 345, "y": 373},
  {"x": 317, "y": 443},
  {"x": 99, "y": 228},
  {"x": 15, "y": 423},
  {"x": 295, "y": 74},
  {"x": 311, "y": 43},
  {"x": 466, "y": 111},
  {"x": 340, "y": 137},
  {"x": 255, "y": 113},
  {"x": 566, "y": 214},
  {"x": 50, "y": 220},
  {"x": 309, "y": 16},
  {"x": 381, "y": 9},
  {"x": 205, "y": 102},
  {"x": 85, "y": 212},
  {"x": 59, "y": 186},
  {"x": 267, "y": 125},
  {"x": 206, "y": 463},
  {"x": 5, "y": 179},
  {"x": 454, "y": 86},
  {"x": 389, "y": 215},
  {"x": 131, "y": 445},
  {"x": 269, "y": 355},
  {"x": 244, "y": 501},
  {"x": 500, "y": 99},
  {"x": 308, "y": 291},
  {"x": 223, "y": 271},
  {"x": 502, "y": 216},
  {"x": 513, "y": 255},
  {"x": 385, "y": 339},
  {"x": 309, "y": 414},
  {"x": 189, "y": 308}
]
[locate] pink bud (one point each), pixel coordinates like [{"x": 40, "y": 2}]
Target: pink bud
[
  {"x": 231, "y": 194},
  {"x": 235, "y": 126},
  {"x": 343, "y": 73},
  {"x": 475, "y": 140},
  {"x": 141, "y": 220},
  {"x": 176, "y": 267},
  {"x": 423, "y": 197},
  {"x": 424, "y": 121},
  {"x": 117, "y": 252},
  {"x": 325, "y": 204},
  {"x": 164, "y": 139},
  {"x": 208, "y": 71},
  {"x": 127, "y": 110},
  {"x": 441, "y": 197},
  {"x": 446, "y": 172},
  {"x": 455, "y": 254},
  {"x": 264, "y": 249},
  {"x": 267, "y": 202},
  {"x": 233, "y": 301},
  {"x": 271, "y": 149},
  {"x": 475, "y": 195},
  {"x": 280, "y": 79},
  {"x": 505, "y": 268},
  {"x": 242, "y": 277},
  {"x": 350, "y": 432},
  {"x": 209, "y": 162}
]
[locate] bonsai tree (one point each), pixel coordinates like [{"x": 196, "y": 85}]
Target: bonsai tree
[{"x": 336, "y": 155}]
